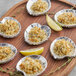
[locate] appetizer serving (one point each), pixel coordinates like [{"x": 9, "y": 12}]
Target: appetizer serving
[
  {"x": 38, "y": 7},
  {"x": 36, "y": 34},
  {"x": 32, "y": 65},
  {"x": 7, "y": 52},
  {"x": 9, "y": 27},
  {"x": 66, "y": 18},
  {"x": 63, "y": 47}
]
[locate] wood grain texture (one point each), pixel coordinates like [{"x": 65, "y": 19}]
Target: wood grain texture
[{"x": 25, "y": 19}]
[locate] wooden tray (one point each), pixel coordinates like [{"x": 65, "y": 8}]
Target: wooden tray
[
  {"x": 67, "y": 2},
  {"x": 25, "y": 19}
]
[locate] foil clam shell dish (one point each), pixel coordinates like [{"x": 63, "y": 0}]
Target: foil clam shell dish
[
  {"x": 39, "y": 57},
  {"x": 73, "y": 53},
  {"x": 13, "y": 48},
  {"x": 10, "y": 36},
  {"x": 44, "y": 27},
  {"x": 31, "y": 12},
  {"x": 65, "y": 11}
]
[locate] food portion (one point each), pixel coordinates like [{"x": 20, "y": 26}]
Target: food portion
[
  {"x": 9, "y": 27},
  {"x": 37, "y": 34},
  {"x": 63, "y": 47},
  {"x": 39, "y": 6},
  {"x": 31, "y": 66},
  {"x": 67, "y": 18},
  {"x": 35, "y": 51},
  {"x": 5, "y": 53},
  {"x": 52, "y": 24}
]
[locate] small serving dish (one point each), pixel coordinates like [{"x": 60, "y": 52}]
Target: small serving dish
[
  {"x": 46, "y": 29},
  {"x": 10, "y": 36},
  {"x": 71, "y": 53},
  {"x": 42, "y": 60},
  {"x": 33, "y": 13},
  {"x": 11, "y": 57},
  {"x": 65, "y": 11}
]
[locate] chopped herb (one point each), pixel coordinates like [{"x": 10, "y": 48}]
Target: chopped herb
[
  {"x": 7, "y": 68},
  {"x": 72, "y": 7},
  {"x": 17, "y": 73},
  {"x": 13, "y": 15},
  {"x": 10, "y": 73},
  {"x": 4, "y": 71},
  {"x": 1, "y": 68}
]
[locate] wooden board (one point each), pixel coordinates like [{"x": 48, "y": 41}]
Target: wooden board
[
  {"x": 25, "y": 19},
  {"x": 68, "y": 2}
]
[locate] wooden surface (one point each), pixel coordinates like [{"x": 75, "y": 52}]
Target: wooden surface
[
  {"x": 68, "y": 2},
  {"x": 25, "y": 19}
]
